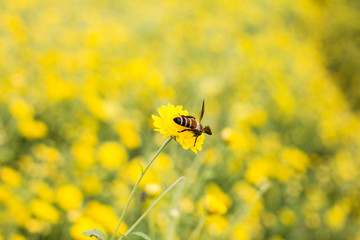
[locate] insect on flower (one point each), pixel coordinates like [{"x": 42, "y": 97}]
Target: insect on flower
[{"x": 192, "y": 125}]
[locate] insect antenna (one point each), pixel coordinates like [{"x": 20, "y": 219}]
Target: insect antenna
[{"x": 202, "y": 111}]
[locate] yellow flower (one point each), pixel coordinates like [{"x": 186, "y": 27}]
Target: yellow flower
[
  {"x": 68, "y": 197},
  {"x": 83, "y": 224},
  {"x": 91, "y": 185},
  {"x": 44, "y": 210},
  {"x": 336, "y": 216},
  {"x": 216, "y": 224},
  {"x": 104, "y": 215},
  {"x": 10, "y": 177},
  {"x": 17, "y": 237},
  {"x": 127, "y": 132},
  {"x": 153, "y": 189},
  {"x": 165, "y": 124},
  {"x": 21, "y": 109},
  {"x": 216, "y": 201},
  {"x": 287, "y": 217},
  {"x": 45, "y": 153},
  {"x": 112, "y": 154},
  {"x": 32, "y": 129}
]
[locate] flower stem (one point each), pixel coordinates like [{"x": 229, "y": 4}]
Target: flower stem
[
  {"x": 137, "y": 184},
  {"x": 151, "y": 207},
  {"x": 198, "y": 228}
]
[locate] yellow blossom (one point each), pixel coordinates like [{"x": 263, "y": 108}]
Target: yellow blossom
[
  {"x": 216, "y": 201},
  {"x": 245, "y": 191},
  {"x": 187, "y": 205},
  {"x": 241, "y": 232},
  {"x": 128, "y": 135},
  {"x": 45, "y": 192},
  {"x": 10, "y": 176},
  {"x": 112, "y": 154},
  {"x": 44, "y": 211},
  {"x": 336, "y": 216},
  {"x": 269, "y": 219},
  {"x": 165, "y": 124},
  {"x": 91, "y": 185},
  {"x": 83, "y": 224},
  {"x": 46, "y": 153},
  {"x": 32, "y": 129},
  {"x": 295, "y": 158},
  {"x": 35, "y": 226},
  {"x": 21, "y": 109},
  {"x": 287, "y": 217},
  {"x": 68, "y": 197},
  {"x": 152, "y": 189},
  {"x": 216, "y": 224},
  {"x": 259, "y": 170},
  {"x": 18, "y": 211},
  {"x": 18, "y": 237},
  {"x": 104, "y": 215},
  {"x": 84, "y": 154}
]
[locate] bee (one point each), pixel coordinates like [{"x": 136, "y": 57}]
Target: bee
[{"x": 192, "y": 125}]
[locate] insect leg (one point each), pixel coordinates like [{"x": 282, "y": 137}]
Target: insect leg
[
  {"x": 188, "y": 129},
  {"x": 196, "y": 139}
]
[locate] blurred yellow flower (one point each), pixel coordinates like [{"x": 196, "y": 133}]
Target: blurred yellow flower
[
  {"x": 5, "y": 194},
  {"x": 32, "y": 129},
  {"x": 216, "y": 224},
  {"x": 269, "y": 219},
  {"x": 241, "y": 232},
  {"x": 241, "y": 141},
  {"x": 295, "y": 158},
  {"x": 259, "y": 169},
  {"x": 21, "y": 109},
  {"x": 57, "y": 89},
  {"x": 128, "y": 135},
  {"x": 10, "y": 176},
  {"x": 112, "y": 154},
  {"x": 44, "y": 210},
  {"x": 84, "y": 154},
  {"x": 152, "y": 189},
  {"x": 91, "y": 185},
  {"x": 287, "y": 216},
  {"x": 104, "y": 215},
  {"x": 83, "y": 224},
  {"x": 46, "y": 153},
  {"x": 17, "y": 237},
  {"x": 35, "y": 226},
  {"x": 133, "y": 171},
  {"x": 45, "y": 192},
  {"x": 18, "y": 212},
  {"x": 165, "y": 124},
  {"x": 336, "y": 216},
  {"x": 68, "y": 197},
  {"x": 187, "y": 205},
  {"x": 245, "y": 191},
  {"x": 216, "y": 201}
]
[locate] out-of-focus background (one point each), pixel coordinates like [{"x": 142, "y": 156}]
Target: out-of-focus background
[{"x": 79, "y": 81}]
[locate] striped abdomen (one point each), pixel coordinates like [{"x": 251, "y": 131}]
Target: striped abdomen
[{"x": 186, "y": 122}]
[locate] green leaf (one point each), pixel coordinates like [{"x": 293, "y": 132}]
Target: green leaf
[
  {"x": 141, "y": 234},
  {"x": 95, "y": 233}
]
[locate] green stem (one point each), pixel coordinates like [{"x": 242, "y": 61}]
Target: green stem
[
  {"x": 137, "y": 184},
  {"x": 198, "y": 228},
  {"x": 151, "y": 207}
]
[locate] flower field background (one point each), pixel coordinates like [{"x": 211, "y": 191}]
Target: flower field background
[{"x": 80, "y": 80}]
